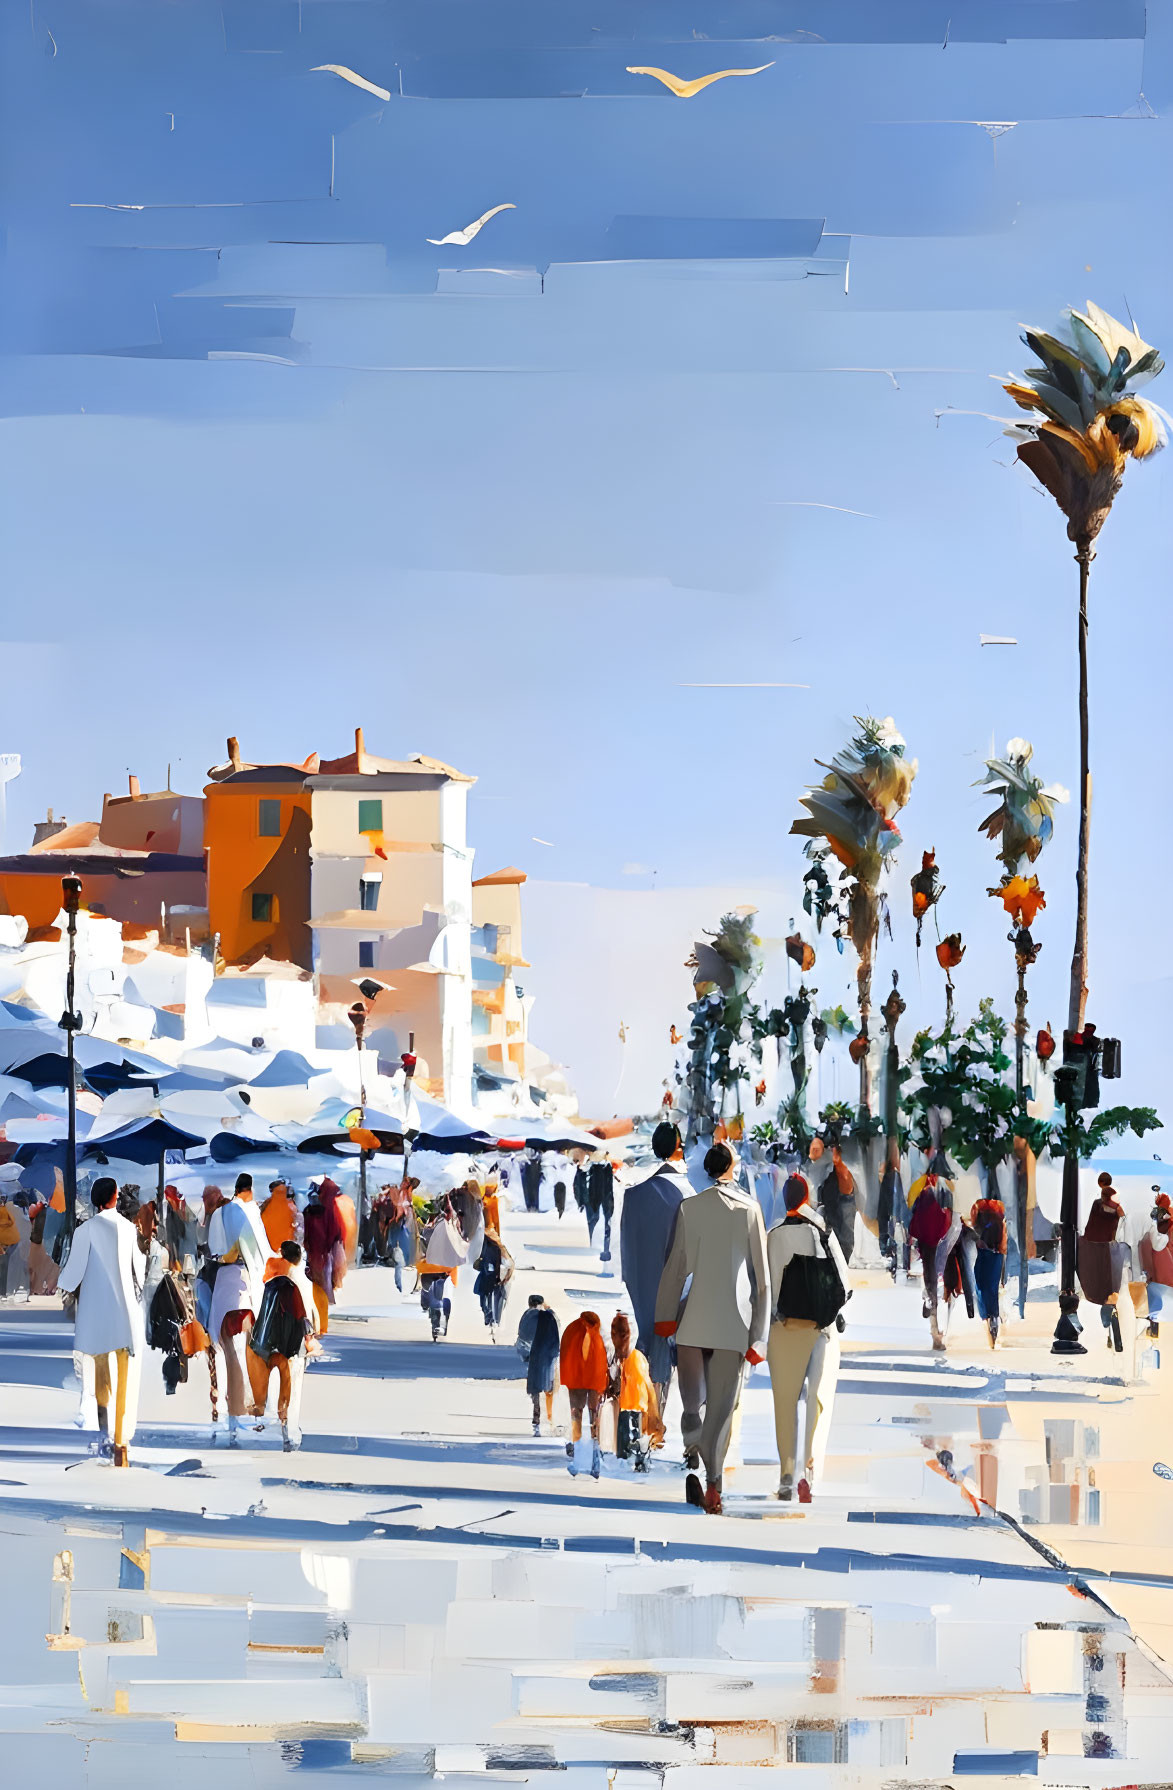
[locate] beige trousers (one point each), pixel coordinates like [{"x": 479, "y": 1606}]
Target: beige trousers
[
  {"x": 102, "y": 1390},
  {"x": 802, "y": 1359}
]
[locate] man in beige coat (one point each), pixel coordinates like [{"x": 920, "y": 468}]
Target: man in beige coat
[{"x": 718, "y": 1250}]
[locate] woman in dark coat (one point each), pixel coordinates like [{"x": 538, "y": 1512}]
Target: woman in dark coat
[
  {"x": 539, "y": 1343},
  {"x": 494, "y": 1266},
  {"x": 837, "y": 1202},
  {"x": 988, "y": 1219},
  {"x": 1101, "y": 1259}
]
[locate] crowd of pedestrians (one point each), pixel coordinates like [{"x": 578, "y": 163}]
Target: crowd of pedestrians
[{"x": 244, "y": 1287}]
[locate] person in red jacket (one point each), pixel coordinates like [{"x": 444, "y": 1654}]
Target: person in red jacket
[
  {"x": 585, "y": 1374},
  {"x": 322, "y": 1235}
]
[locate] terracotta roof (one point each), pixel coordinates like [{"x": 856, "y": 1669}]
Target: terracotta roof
[
  {"x": 69, "y": 839},
  {"x": 510, "y": 874}
]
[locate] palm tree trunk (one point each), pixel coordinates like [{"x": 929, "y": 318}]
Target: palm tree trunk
[
  {"x": 1020, "y": 1168},
  {"x": 1077, "y": 1003},
  {"x": 864, "y": 982}
]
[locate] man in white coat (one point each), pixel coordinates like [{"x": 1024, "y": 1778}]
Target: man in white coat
[
  {"x": 104, "y": 1269},
  {"x": 238, "y": 1244},
  {"x": 803, "y": 1353},
  {"x": 719, "y": 1249}
]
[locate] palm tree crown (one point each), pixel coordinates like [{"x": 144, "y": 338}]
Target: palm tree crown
[{"x": 1093, "y": 423}]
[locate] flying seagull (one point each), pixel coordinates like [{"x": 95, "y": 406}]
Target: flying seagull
[
  {"x": 348, "y": 74},
  {"x": 687, "y": 89},
  {"x": 465, "y": 236}
]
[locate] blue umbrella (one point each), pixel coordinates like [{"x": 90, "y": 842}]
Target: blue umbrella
[
  {"x": 442, "y": 1132},
  {"x": 288, "y": 1069},
  {"x": 143, "y": 1140}
]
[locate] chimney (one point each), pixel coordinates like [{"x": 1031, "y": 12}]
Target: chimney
[
  {"x": 134, "y": 787},
  {"x": 45, "y": 829},
  {"x": 360, "y": 755},
  {"x": 234, "y": 752}
]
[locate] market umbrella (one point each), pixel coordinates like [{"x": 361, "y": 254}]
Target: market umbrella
[
  {"x": 443, "y": 1132},
  {"x": 186, "y": 1081},
  {"x": 554, "y": 1134},
  {"x": 328, "y": 1131},
  {"x": 108, "y": 1078},
  {"x": 288, "y": 1069},
  {"x": 142, "y": 1140}
]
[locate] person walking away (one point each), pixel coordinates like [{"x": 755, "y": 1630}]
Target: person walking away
[
  {"x": 279, "y": 1340},
  {"x": 837, "y": 1202},
  {"x": 444, "y": 1250},
  {"x": 538, "y": 1344},
  {"x": 719, "y": 1241},
  {"x": 1100, "y": 1260},
  {"x": 808, "y": 1272},
  {"x": 240, "y": 1248},
  {"x": 637, "y": 1422},
  {"x": 491, "y": 1205},
  {"x": 1156, "y": 1259},
  {"x": 495, "y": 1267},
  {"x": 343, "y": 1207},
  {"x": 645, "y": 1232},
  {"x": 988, "y": 1219},
  {"x": 9, "y": 1242},
  {"x": 600, "y": 1201},
  {"x": 42, "y": 1267},
  {"x": 322, "y": 1238},
  {"x": 104, "y": 1272},
  {"x": 584, "y": 1370},
  {"x": 280, "y": 1216},
  {"x": 396, "y": 1228},
  {"x": 935, "y": 1229}
]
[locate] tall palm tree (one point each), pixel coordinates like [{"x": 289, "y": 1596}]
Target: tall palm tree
[
  {"x": 1092, "y": 425},
  {"x": 1086, "y": 425},
  {"x": 1021, "y": 825},
  {"x": 853, "y": 810}
]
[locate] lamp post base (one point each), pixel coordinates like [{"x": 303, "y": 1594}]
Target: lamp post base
[{"x": 1067, "y": 1330}]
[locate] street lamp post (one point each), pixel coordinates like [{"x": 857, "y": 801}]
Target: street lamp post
[
  {"x": 358, "y": 1019},
  {"x": 70, "y": 1024}
]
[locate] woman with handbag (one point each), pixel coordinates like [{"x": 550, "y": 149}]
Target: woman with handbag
[
  {"x": 104, "y": 1271},
  {"x": 444, "y": 1250},
  {"x": 809, "y": 1273}
]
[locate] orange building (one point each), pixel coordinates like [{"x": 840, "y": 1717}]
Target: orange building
[
  {"x": 142, "y": 864},
  {"x": 257, "y": 821}
]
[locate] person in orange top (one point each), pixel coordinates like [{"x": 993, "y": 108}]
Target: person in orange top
[
  {"x": 492, "y": 1206},
  {"x": 279, "y": 1216},
  {"x": 347, "y": 1218},
  {"x": 637, "y": 1424},
  {"x": 585, "y": 1374}
]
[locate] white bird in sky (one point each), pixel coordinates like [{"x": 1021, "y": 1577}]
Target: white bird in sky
[
  {"x": 688, "y": 89},
  {"x": 463, "y": 237},
  {"x": 348, "y": 74}
]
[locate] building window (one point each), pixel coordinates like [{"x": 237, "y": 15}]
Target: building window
[
  {"x": 370, "y": 816},
  {"x": 368, "y": 893},
  {"x": 269, "y": 819},
  {"x": 366, "y": 954},
  {"x": 262, "y": 909}
]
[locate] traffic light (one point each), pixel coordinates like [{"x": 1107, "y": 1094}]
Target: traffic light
[{"x": 1078, "y": 1082}]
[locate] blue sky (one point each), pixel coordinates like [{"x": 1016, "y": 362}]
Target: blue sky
[{"x": 273, "y": 466}]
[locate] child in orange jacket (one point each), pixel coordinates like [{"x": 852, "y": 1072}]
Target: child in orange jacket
[
  {"x": 585, "y": 1373},
  {"x": 638, "y": 1427}
]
